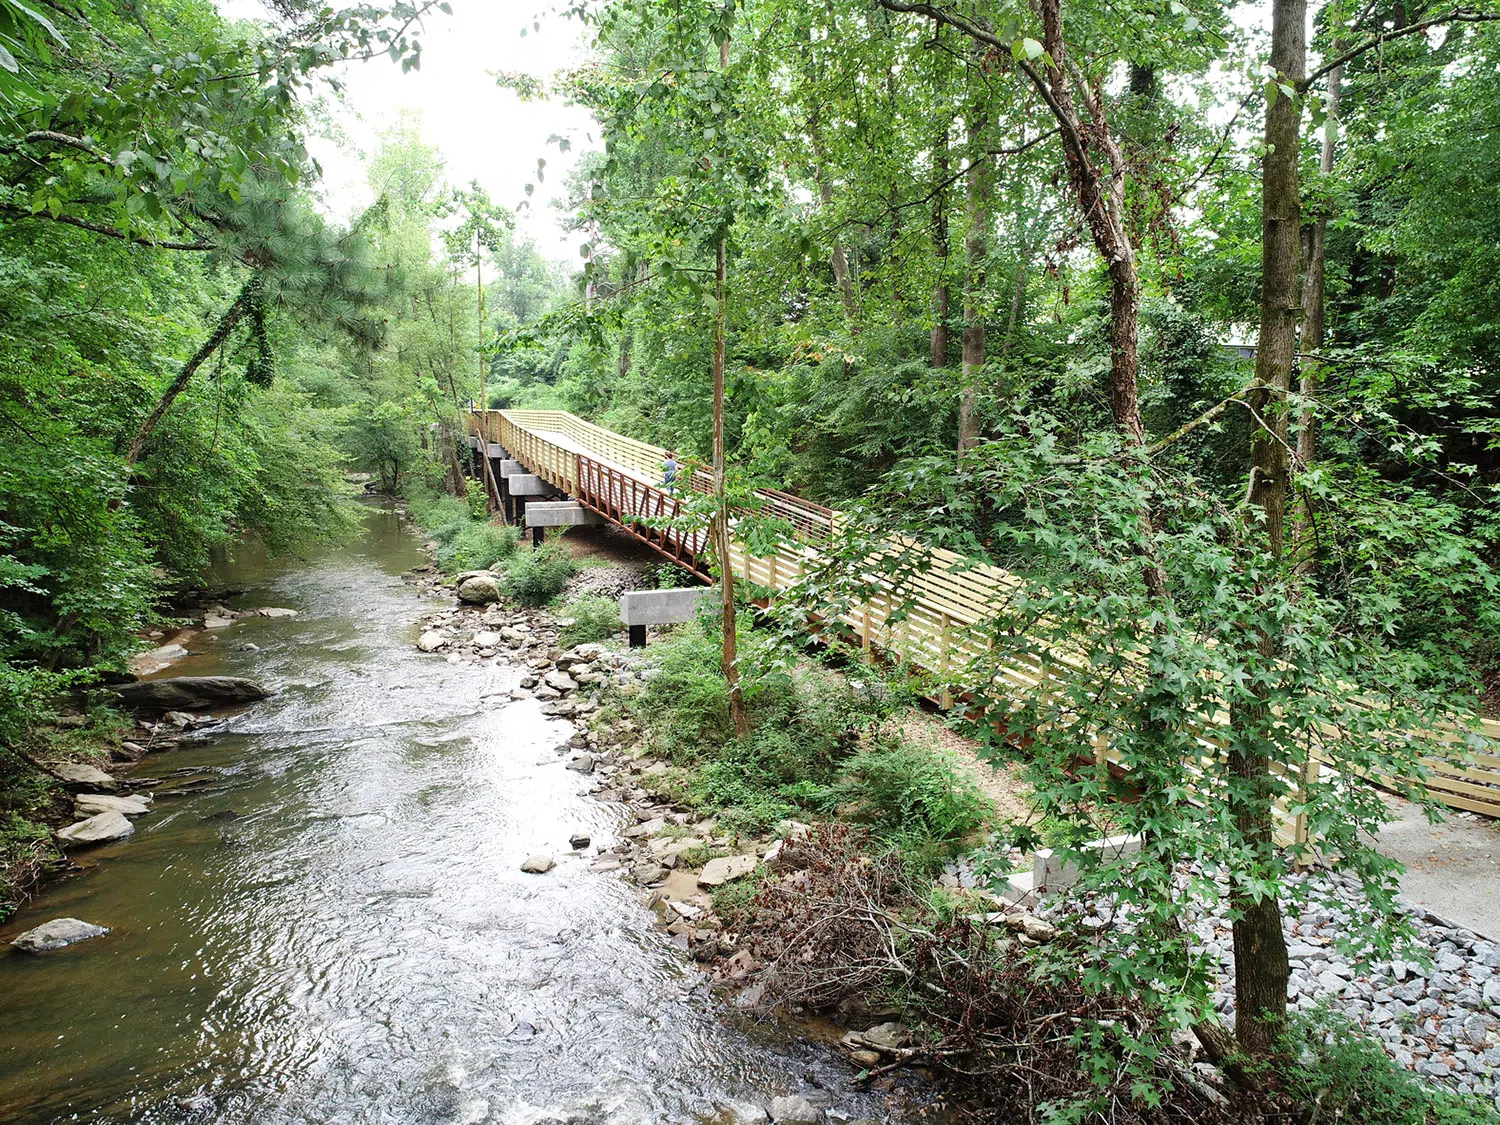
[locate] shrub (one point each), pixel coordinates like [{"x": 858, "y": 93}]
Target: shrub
[
  {"x": 1349, "y": 1077},
  {"x": 911, "y": 791},
  {"x": 476, "y": 546},
  {"x": 440, "y": 516},
  {"x": 479, "y": 500},
  {"x": 537, "y": 576},
  {"x": 594, "y": 618}
]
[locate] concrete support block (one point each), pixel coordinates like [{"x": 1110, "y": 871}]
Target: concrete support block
[
  {"x": 664, "y": 607},
  {"x": 525, "y": 484},
  {"x": 511, "y": 468},
  {"x": 1050, "y": 874},
  {"x": 474, "y": 442},
  {"x": 560, "y": 513},
  {"x": 496, "y": 450}
]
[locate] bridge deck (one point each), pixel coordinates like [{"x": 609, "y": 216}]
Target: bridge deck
[{"x": 932, "y": 622}]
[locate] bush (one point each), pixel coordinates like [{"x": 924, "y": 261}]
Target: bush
[
  {"x": 1349, "y": 1077},
  {"x": 913, "y": 792},
  {"x": 440, "y": 516},
  {"x": 479, "y": 500},
  {"x": 594, "y": 618},
  {"x": 537, "y": 576},
  {"x": 477, "y": 546}
]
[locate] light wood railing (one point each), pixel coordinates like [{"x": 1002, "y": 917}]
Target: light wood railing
[{"x": 933, "y": 622}]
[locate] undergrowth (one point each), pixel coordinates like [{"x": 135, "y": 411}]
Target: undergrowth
[
  {"x": 466, "y": 538},
  {"x": 537, "y": 576},
  {"x": 818, "y": 742},
  {"x": 594, "y": 618}
]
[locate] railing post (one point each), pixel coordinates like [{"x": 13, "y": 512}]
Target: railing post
[{"x": 945, "y": 699}]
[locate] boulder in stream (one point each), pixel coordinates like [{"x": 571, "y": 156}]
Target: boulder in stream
[
  {"x": 56, "y": 934},
  {"x": 191, "y": 693},
  {"x": 431, "y": 641},
  {"x": 538, "y": 864},
  {"x": 103, "y": 828},
  {"x": 795, "y": 1110}
]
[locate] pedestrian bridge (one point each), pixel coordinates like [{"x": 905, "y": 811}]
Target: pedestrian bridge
[{"x": 933, "y": 623}]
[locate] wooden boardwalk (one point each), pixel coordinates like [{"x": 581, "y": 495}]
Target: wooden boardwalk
[{"x": 933, "y": 623}]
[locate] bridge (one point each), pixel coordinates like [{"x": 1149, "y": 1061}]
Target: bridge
[{"x": 934, "y": 623}]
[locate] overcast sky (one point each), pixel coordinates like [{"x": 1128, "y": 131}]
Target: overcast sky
[{"x": 484, "y": 133}]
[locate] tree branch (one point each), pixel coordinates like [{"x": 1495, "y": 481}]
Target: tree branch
[
  {"x": 107, "y": 231},
  {"x": 1457, "y": 15}
]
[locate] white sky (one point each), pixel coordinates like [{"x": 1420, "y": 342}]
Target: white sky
[{"x": 483, "y": 132}]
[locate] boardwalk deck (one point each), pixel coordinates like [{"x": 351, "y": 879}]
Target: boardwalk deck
[{"x": 932, "y": 623}]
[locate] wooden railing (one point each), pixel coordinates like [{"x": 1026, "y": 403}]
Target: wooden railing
[{"x": 934, "y": 621}]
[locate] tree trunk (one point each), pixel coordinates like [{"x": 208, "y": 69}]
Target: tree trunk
[
  {"x": 940, "y": 248},
  {"x": 243, "y": 303},
  {"x": 1304, "y": 540},
  {"x": 719, "y": 527},
  {"x": 837, "y": 259},
  {"x": 453, "y": 466},
  {"x": 976, "y": 260},
  {"x": 1260, "y": 957}
]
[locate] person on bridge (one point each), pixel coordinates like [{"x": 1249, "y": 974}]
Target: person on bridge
[{"x": 669, "y": 472}]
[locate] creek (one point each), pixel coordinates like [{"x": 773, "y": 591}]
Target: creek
[{"x": 323, "y": 918}]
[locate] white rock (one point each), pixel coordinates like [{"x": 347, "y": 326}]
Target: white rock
[
  {"x": 431, "y": 641},
  {"x": 91, "y": 804},
  {"x": 560, "y": 681},
  {"x": 100, "y": 829},
  {"x": 76, "y": 773},
  {"x": 795, "y": 1111},
  {"x": 486, "y": 639},
  {"x": 717, "y": 872},
  {"x": 56, "y": 934},
  {"x": 538, "y": 864},
  {"x": 276, "y": 611}
]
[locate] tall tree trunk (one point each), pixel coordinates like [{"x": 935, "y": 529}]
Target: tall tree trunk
[
  {"x": 719, "y": 527},
  {"x": 976, "y": 260},
  {"x": 479, "y": 321},
  {"x": 837, "y": 259},
  {"x": 1314, "y": 330},
  {"x": 940, "y": 249},
  {"x": 1260, "y": 956}
]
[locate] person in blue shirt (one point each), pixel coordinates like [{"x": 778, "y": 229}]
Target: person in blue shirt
[{"x": 669, "y": 472}]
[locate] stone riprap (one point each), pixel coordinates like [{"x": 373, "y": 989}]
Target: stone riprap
[{"x": 1440, "y": 1020}]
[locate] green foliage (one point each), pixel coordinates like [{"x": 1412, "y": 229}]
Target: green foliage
[
  {"x": 915, "y": 792},
  {"x": 476, "y": 545},
  {"x": 442, "y": 517},
  {"x": 1349, "y": 1077},
  {"x": 537, "y": 576},
  {"x": 479, "y": 501},
  {"x": 803, "y": 756},
  {"x": 594, "y": 619}
]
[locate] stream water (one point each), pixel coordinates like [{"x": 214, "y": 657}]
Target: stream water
[{"x": 323, "y": 918}]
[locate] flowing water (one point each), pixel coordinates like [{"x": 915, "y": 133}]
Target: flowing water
[{"x": 323, "y": 919}]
